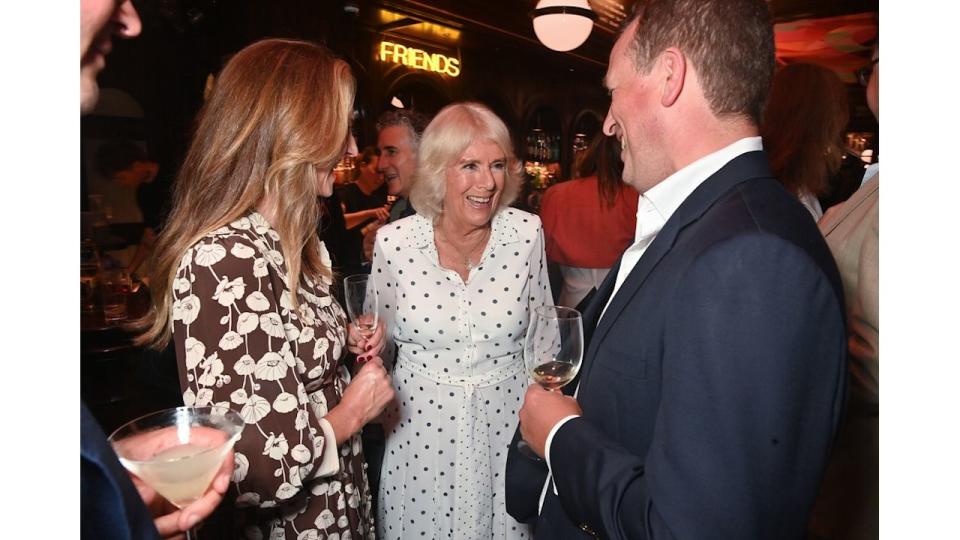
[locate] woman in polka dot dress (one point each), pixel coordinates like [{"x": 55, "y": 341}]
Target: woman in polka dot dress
[{"x": 456, "y": 284}]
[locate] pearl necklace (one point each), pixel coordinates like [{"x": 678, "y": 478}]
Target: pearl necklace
[{"x": 466, "y": 256}]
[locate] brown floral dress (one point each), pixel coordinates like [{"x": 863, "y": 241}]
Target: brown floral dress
[{"x": 241, "y": 344}]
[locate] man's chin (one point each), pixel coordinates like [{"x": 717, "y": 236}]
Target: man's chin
[{"x": 394, "y": 188}]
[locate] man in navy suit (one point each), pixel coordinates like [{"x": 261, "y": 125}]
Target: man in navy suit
[{"x": 714, "y": 374}]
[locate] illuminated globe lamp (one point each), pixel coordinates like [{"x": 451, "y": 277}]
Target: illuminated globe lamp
[{"x": 563, "y": 25}]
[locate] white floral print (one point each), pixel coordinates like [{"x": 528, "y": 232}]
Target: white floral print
[
  {"x": 241, "y": 344},
  {"x": 209, "y": 254}
]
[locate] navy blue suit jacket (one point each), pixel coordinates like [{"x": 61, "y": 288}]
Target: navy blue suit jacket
[
  {"x": 111, "y": 508},
  {"x": 712, "y": 387}
]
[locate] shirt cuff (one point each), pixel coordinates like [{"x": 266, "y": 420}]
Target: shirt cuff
[
  {"x": 330, "y": 461},
  {"x": 546, "y": 447}
]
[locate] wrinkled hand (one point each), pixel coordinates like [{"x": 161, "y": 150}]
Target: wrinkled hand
[
  {"x": 365, "y": 397},
  {"x": 365, "y": 348},
  {"x": 172, "y": 523},
  {"x": 541, "y": 410}
]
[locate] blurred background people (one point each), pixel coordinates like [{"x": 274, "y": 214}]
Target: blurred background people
[
  {"x": 457, "y": 283},
  {"x": 367, "y": 191},
  {"x": 802, "y": 130},
  {"x": 398, "y": 138},
  {"x": 849, "y": 502},
  {"x": 242, "y": 284},
  {"x": 111, "y": 505},
  {"x": 589, "y": 221},
  {"x": 126, "y": 165},
  {"x": 364, "y": 205}
]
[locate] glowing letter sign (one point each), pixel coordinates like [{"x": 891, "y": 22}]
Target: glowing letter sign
[{"x": 419, "y": 59}]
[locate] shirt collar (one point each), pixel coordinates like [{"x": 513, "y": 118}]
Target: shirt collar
[
  {"x": 420, "y": 233},
  {"x": 871, "y": 171},
  {"x": 659, "y": 203}
]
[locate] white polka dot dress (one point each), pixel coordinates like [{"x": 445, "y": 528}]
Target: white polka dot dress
[{"x": 459, "y": 376}]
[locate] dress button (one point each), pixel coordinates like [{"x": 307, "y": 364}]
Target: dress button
[{"x": 586, "y": 528}]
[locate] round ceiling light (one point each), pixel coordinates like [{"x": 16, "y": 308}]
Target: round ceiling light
[{"x": 563, "y": 25}]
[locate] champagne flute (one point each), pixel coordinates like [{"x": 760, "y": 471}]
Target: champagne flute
[
  {"x": 360, "y": 297},
  {"x": 177, "y": 452},
  {"x": 552, "y": 351}
]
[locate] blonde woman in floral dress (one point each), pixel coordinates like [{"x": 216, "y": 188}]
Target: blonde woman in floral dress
[{"x": 243, "y": 285}]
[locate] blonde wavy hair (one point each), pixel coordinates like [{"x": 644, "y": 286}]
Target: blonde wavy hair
[
  {"x": 452, "y": 130},
  {"x": 277, "y": 119}
]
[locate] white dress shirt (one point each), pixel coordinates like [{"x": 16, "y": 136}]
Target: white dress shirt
[
  {"x": 655, "y": 208},
  {"x": 870, "y": 172}
]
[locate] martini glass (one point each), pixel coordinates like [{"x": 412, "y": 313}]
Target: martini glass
[
  {"x": 177, "y": 452},
  {"x": 552, "y": 352}
]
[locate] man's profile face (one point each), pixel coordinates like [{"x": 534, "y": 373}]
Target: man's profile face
[
  {"x": 100, "y": 20},
  {"x": 398, "y": 159},
  {"x": 631, "y": 116}
]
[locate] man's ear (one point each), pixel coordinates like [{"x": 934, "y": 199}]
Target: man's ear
[{"x": 674, "y": 69}]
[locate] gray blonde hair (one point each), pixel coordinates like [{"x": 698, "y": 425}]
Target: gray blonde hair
[{"x": 452, "y": 130}]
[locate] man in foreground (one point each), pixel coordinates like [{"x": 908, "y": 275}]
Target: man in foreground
[
  {"x": 714, "y": 375},
  {"x": 111, "y": 507}
]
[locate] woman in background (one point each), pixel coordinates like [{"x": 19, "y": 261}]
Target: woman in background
[
  {"x": 802, "y": 130},
  {"x": 457, "y": 282},
  {"x": 589, "y": 221},
  {"x": 243, "y": 286}
]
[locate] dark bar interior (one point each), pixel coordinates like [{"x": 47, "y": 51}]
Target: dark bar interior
[{"x": 416, "y": 60}]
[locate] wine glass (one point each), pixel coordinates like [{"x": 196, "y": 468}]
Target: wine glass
[
  {"x": 360, "y": 297},
  {"x": 177, "y": 452},
  {"x": 552, "y": 351}
]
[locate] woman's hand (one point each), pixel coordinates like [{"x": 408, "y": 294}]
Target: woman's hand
[
  {"x": 365, "y": 397},
  {"x": 365, "y": 348}
]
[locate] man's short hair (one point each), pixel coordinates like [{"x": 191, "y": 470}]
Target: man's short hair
[
  {"x": 729, "y": 42},
  {"x": 414, "y": 121},
  {"x": 117, "y": 155}
]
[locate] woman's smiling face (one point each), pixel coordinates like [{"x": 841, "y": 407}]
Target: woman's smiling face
[{"x": 475, "y": 184}]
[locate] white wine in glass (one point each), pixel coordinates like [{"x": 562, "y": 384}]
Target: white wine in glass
[
  {"x": 360, "y": 297},
  {"x": 177, "y": 452},
  {"x": 552, "y": 351},
  {"x": 553, "y": 374}
]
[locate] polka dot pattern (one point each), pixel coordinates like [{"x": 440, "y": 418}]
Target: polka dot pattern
[{"x": 459, "y": 376}]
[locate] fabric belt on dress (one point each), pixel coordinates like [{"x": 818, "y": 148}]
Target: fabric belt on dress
[{"x": 473, "y": 502}]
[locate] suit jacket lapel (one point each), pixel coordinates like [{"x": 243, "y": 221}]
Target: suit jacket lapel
[
  {"x": 590, "y": 317},
  {"x": 742, "y": 168}
]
